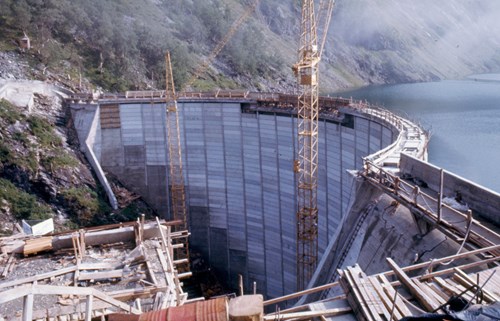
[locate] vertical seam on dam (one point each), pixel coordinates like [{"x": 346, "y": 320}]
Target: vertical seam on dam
[
  {"x": 203, "y": 129},
  {"x": 223, "y": 141}
]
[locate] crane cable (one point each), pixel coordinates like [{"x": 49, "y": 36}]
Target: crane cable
[
  {"x": 324, "y": 16},
  {"x": 220, "y": 45}
]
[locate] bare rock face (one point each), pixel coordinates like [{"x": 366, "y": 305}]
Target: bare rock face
[
  {"x": 393, "y": 41},
  {"x": 11, "y": 67},
  {"x": 43, "y": 175}
]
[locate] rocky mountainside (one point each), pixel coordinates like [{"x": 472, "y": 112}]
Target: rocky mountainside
[
  {"x": 120, "y": 44},
  {"x": 42, "y": 172},
  {"x": 391, "y": 41}
]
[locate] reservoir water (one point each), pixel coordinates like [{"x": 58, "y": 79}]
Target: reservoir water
[{"x": 463, "y": 117}]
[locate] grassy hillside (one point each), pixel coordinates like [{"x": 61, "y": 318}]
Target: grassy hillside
[{"x": 120, "y": 44}]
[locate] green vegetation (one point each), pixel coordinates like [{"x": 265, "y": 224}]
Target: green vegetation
[
  {"x": 5, "y": 152},
  {"x": 22, "y": 204},
  {"x": 9, "y": 112},
  {"x": 44, "y": 131},
  {"x": 85, "y": 206},
  {"x": 121, "y": 44},
  {"x": 59, "y": 160}
]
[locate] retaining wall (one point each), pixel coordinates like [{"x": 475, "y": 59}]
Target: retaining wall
[{"x": 483, "y": 202}]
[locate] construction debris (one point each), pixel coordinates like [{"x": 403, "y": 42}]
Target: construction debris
[{"x": 129, "y": 267}]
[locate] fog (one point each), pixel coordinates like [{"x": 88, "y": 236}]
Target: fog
[{"x": 440, "y": 39}]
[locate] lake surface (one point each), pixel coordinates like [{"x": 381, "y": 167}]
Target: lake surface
[{"x": 463, "y": 117}]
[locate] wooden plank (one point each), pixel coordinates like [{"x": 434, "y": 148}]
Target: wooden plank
[
  {"x": 38, "y": 277},
  {"x": 60, "y": 290},
  {"x": 391, "y": 292},
  {"x": 386, "y": 301},
  {"x": 436, "y": 299},
  {"x": 132, "y": 294},
  {"x": 446, "y": 259},
  {"x": 355, "y": 299},
  {"x": 96, "y": 266},
  {"x": 106, "y": 298},
  {"x": 445, "y": 286},
  {"x": 28, "y": 307},
  {"x": 308, "y": 314},
  {"x": 151, "y": 273},
  {"x": 459, "y": 288},
  {"x": 464, "y": 279},
  {"x": 14, "y": 294},
  {"x": 438, "y": 291},
  {"x": 32, "y": 246},
  {"x": 366, "y": 293},
  {"x": 101, "y": 275},
  {"x": 88, "y": 308},
  {"x": 465, "y": 266},
  {"x": 301, "y": 293},
  {"x": 8, "y": 266},
  {"x": 419, "y": 295},
  {"x": 162, "y": 235}
]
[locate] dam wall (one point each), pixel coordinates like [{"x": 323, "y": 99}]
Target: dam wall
[
  {"x": 240, "y": 184},
  {"x": 482, "y": 201}
]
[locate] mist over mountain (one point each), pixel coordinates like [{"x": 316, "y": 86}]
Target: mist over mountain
[
  {"x": 390, "y": 41},
  {"x": 120, "y": 44}
]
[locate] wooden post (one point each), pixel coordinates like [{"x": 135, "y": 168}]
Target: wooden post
[
  {"x": 393, "y": 305},
  {"x": 440, "y": 195},
  {"x": 415, "y": 290},
  {"x": 240, "y": 283},
  {"x": 142, "y": 228},
  {"x": 416, "y": 191},
  {"x": 82, "y": 243},
  {"x": 88, "y": 308},
  {"x": 28, "y": 307}
]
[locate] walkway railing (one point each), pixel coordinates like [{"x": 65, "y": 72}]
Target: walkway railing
[{"x": 452, "y": 222}]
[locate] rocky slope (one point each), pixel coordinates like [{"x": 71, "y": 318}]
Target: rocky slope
[
  {"x": 121, "y": 44},
  {"x": 42, "y": 172},
  {"x": 392, "y": 41}
]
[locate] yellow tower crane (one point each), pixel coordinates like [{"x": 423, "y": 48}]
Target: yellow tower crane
[
  {"x": 176, "y": 178},
  {"x": 306, "y": 165}
]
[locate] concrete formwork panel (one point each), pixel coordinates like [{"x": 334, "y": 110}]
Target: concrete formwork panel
[
  {"x": 156, "y": 183},
  {"x": 154, "y": 124},
  {"x": 375, "y": 137},
  {"x": 112, "y": 145},
  {"x": 132, "y": 126}
]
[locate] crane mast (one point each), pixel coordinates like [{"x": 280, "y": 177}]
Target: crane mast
[
  {"x": 177, "y": 189},
  {"x": 306, "y": 165}
]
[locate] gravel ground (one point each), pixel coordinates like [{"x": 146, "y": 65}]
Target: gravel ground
[{"x": 13, "y": 66}]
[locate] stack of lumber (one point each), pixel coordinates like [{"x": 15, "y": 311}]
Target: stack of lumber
[
  {"x": 33, "y": 246},
  {"x": 371, "y": 298},
  {"x": 434, "y": 295}
]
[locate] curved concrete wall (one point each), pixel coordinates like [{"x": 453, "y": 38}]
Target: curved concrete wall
[{"x": 239, "y": 177}]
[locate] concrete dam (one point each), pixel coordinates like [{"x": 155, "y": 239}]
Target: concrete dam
[{"x": 238, "y": 155}]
